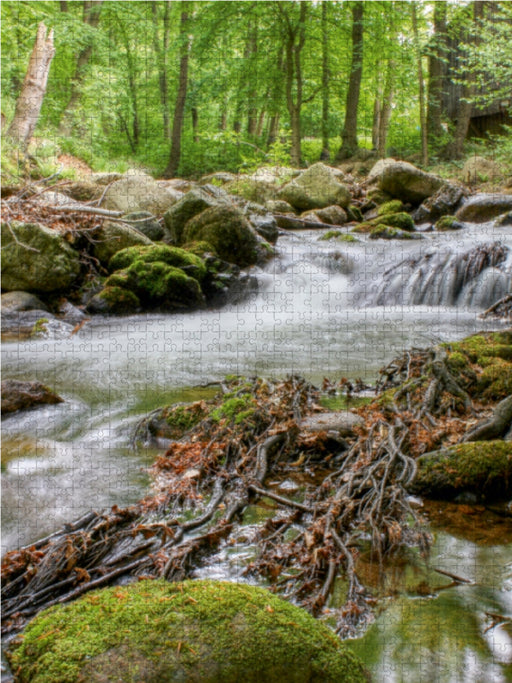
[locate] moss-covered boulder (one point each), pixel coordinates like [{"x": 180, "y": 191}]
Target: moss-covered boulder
[
  {"x": 229, "y": 233},
  {"x": 114, "y": 300},
  {"x": 445, "y": 201},
  {"x": 481, "y": 467},
  {"x": 317, "y": 187},
  {"x": 113, "y": 237},
  {"x": 402, "y": 221},
  {"x": 196, "y": 631},
  {"x": 159, "y": 285},
  {"x": 36, "y": 259},
  {"x": 193, "y": 203},
  {"x": 404, "y": 181},
  {"x": 190, "y": 263},
  {"x": 447, "y": 223},
  {"x": 393, "y": 206},
  {"x": 387, "y": 232}
]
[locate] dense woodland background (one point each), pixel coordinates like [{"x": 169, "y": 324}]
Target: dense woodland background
[{"x": 183, "y": 88}]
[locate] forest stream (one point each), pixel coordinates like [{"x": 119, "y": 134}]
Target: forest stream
[{"x": 323, "y": 309}]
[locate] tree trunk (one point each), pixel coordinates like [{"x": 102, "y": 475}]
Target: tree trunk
[
  {"x": 161, "y": 51},
  {"x": 377, "y": 112},
  {"x": 294, "y": 45},
  {"x": 195, "y": 118},
  {"x": 33, "y": 89},
  {"x": 324, "y": 155},
  {"x": 385, "y": 115},
  {"x": 421, "y": 87},
  {"x": 252, "y": 116},
  {"x": 455, "y": 149},
  {"x": 349, "y": 143},
  {"x": 436, "y": 73},
  {"x": 179, "y": 109},
  {"x": 261, "y": 121},
  {"x": 273, "y": 127},
  {"x": 91, "y": 17}
]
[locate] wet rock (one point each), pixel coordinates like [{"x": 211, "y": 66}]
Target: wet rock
[
  {"x": 228, "y": 632},
  {"x": 343, "y": 422},
  {"x": 39, "y": 261},
  {"x": 113, "y": 237},
  {"x": 402, "y": 180},
  {"x": 21, "y": 301},
  {"x": 252, "y": 188},
  {"x": 484, "y": 207},
  {"x": 387, "y": 232},
  {"x": 265, "y": 226},
  {"x": 69, "y": 313},
  {"x": 504, "y": 220},
  {"x": 20, "y": 324},
  {"x": 332, "y": 215},
  {"x": 448, "y": 223},
  {"x": 316, "y": 188},
  {"x": 19, "y": 395},
  {"x": 445, "y": 201},
  {"x": 138, "y": 193},
  {"x": 144, "y": 222},
  {"x": 279, "y": 206},
  {"x": 225, "y": 283},
  {"x": 114, "y": 301}
]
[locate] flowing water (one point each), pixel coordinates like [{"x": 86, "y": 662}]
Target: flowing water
[{"x": 322, "y": 309}]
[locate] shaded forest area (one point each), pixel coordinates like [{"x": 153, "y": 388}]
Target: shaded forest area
[{"x": 183, "y": 88}]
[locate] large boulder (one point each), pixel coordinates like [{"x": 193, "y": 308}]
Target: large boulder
[
  {"x": 317, "y": 187},
  {"x": 192, "y": 204},
  {"x": 229, "y": 233},
  {"x": 36, "y": 259},
  {"x": 191, "y": 264},
  {"x": 195, "y": 631},
  {"x": 18, "y": 395},
  {"x": 404, "y": 181},
  {"x": 138, "y": 193},
  {"x": 484, "y": 207},
  {"x": 113, "y": 237},
  {"x": 442, "y": 203}
]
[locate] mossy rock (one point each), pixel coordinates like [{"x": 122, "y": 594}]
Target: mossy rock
[
  {"x": 388, "y": 232},
  {"x": 199, "y": 248},
  {"x": 393, "y": 206},
  {"x": 363, "y": 228},
  {"x": 195, "y": 631},
  {"x": 495, "y": 382},
  {"x": 114, "y": 300},
  {"x": 229, "y": 233},
  {"x": 191, "y": 264},
  {"x": 480, "y": 467},
  {"x": 157, "y": 284},
  {"x": 173, "y": 422},
  {"x": 378, "y": 196},
  {"x": 446, "y": 223},
  {"x": 484, "y": 345},
  {"x": 235, "y": 409},
  {"x": 401, "y": 220},
  {"x": 354, "y": 213}
]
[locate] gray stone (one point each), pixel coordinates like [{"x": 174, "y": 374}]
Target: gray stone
[
  {"x": 18, "y": 395},
  {"x": 444, "y": 202},
  {"x": 279, "y": 206},
  {"x": 404, "y": 181},
  {"x": 39, "y": 261},
  {"x": 343, "y": 422},
  {"x": 484, "y": 207},
  {"x": 150, "y": 227},
  {"x": 112, "y": 237},
  {"x": 192, "y": 204},
  {"x": 317, "y": 187},
  {"x": 332, "y": 215},
  {"x": 138, "y": 193},
  {"x": 265, "y": 226},
  {"x": 21, "y": 301}
]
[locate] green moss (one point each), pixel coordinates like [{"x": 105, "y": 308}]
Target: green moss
[
  {"x": 363, "y": 228},
  {"x": 495, "y": 383},
  {"x": 119, "y": 300},
  {"x": 158, "y": 283},
  {"x": 482, "y": 345},
  {"x": 200, "y": 248},
  {"x": 341, "y": 402},
  {"x": 387, "y": 232},
  {"x": 402, "y": 221},
  {"x": 482, "y": 467},
  {"x": 236, "y": 408},
  {"x": 378, "y": 196},
  {"x": 39, "y": 327},
  {"x": 180, "y": 419},
  {"x": 457, "y": 362},
  {"x": 193, "y": 631},
  {"x": 338, "y": 235},
  {"x": 172, "y": 256},
  {"x": 446, "y": 223},
  {"x": 354, "y": 213},
  {"x": 393, "y": 206}
]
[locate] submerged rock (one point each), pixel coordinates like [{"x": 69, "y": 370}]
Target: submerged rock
[
  {"x": 18, "y": 395},
  {"x": 196, "y": 631}
]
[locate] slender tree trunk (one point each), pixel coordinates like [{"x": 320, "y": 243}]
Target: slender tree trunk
[
  {"x": 195, "y": 119},
  {"x": 161, "y": 51},
  {"x": 385, "y": 115},
  {"x": 325, "y": 154},
  {"x": 91, "y": 17},
  {"x": 455, "y": 149},
  {"x": 273, "y": 127},
  {"x": 421, "y": 87},
  {"x": 436, "y": 76},
  {"x": 377, "y": 110},
  {"x": 179, "y": 109},
  {"x": 294, "y": 46},
  {"x": 349, "y": 143},
  {"x": 223, "y": 118},
  {"x": 252, "y": 116},
  {"x": 33, "y": 89},
  {"x": 261, "y": 121}
]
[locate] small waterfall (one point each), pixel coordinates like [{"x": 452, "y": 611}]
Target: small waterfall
[{"x": 475, "y": 278}]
